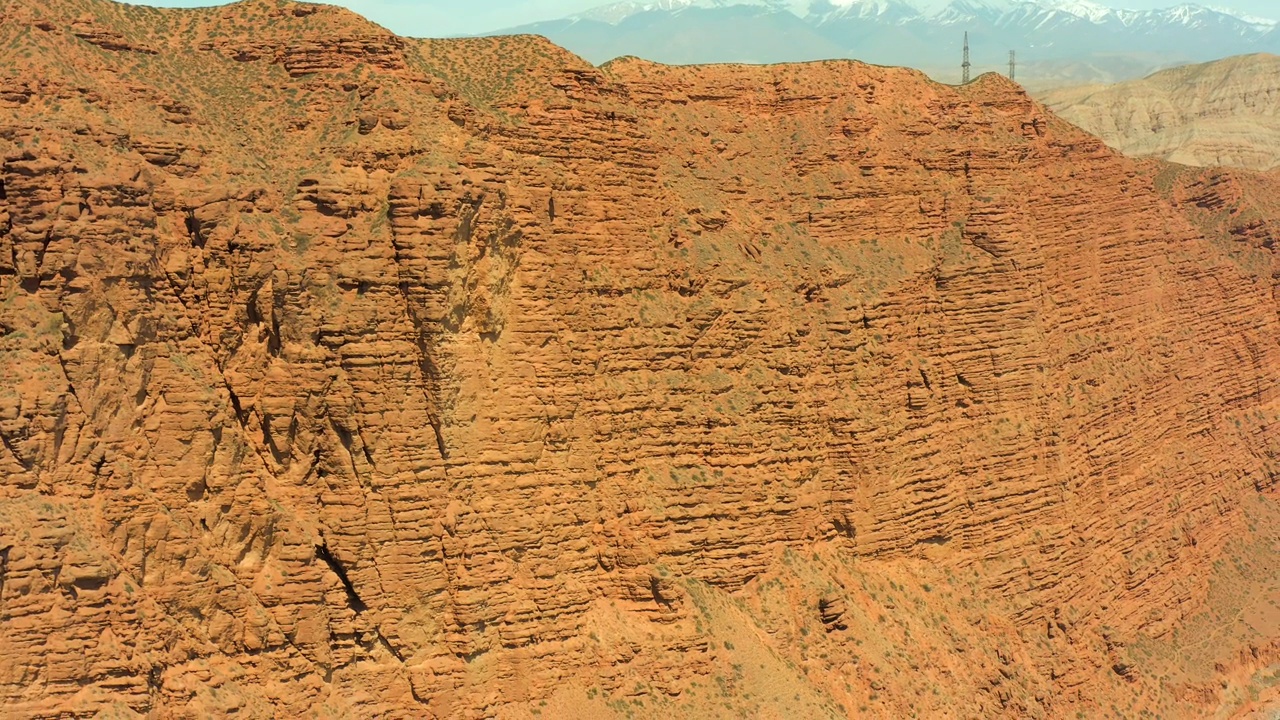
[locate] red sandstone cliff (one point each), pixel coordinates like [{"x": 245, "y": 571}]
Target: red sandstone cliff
[{"x": 371, "y": 377}]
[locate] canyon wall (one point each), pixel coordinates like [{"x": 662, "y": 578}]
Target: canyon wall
[{"x": 365, "y": 376}]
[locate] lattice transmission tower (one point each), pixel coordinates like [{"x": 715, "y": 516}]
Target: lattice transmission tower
[{"x": 965, "y": 65}]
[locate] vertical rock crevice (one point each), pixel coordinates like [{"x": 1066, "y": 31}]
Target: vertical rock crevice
[{"x": 353, "y": 598}]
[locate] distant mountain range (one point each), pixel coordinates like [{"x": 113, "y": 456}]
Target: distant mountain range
[{"x": 1057, "y": 42}]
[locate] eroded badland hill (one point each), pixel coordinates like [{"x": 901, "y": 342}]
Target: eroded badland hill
[
  {"x": 347, "y": 375},
  {"x": 1221, "y": 113}
]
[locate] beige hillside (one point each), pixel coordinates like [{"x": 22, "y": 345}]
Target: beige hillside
[{"x": 1218, "y": 113}]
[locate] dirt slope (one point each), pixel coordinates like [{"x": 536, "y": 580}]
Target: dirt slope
[
  {"x": 346, "y": 375},
  {"x": 1224, "y": 113}
]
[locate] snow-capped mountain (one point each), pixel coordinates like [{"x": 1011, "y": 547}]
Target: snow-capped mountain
[
  {"x": 938, "y": 11},
  {"x": 619, "y": 11},
  {"x": 1048, "y": 35}
]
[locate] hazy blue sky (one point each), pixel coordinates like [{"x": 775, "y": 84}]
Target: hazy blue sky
[{"x": 427, "y": 18}]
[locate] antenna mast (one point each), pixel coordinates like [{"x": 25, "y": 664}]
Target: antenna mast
[
  {"x": 965, "y": 65},
  {"x": 1012, "y": 63}
]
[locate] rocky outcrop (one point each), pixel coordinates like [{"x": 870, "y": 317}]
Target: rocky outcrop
[
  {"x": 106, "y": 39},
  {"x": 1220, "y": 113},
  {"x": 799, "y": 391}
]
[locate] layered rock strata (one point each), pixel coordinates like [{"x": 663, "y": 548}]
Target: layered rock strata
[{"x": 373, "y": 377}]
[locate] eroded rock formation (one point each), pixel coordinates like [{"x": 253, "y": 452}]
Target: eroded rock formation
[
  {"x": 1221, "y": 113},
  {"x": 372, "y": 377}
]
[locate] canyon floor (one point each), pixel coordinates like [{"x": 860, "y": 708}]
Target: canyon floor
[{"x": 346, "y": 375}]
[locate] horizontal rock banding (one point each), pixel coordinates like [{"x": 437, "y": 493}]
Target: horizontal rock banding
[{"x": 450, "y": 386}]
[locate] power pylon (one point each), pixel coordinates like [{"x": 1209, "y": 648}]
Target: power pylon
[
  {"x": 965, "y": 65},
  {"x": 1012, "y": 64}
]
